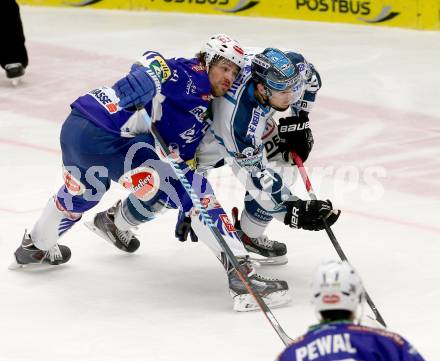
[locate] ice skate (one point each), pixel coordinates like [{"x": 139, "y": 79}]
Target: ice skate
[
  {"x": 269, "y": 252},
  {"x": 14, "y": 72},
  {"x": 104, "y": 226},
  {"x": 28, "y": 255},
  {"x": 274, "y": 292}
]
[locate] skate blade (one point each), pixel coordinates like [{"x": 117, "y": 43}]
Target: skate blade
[
  {"x": 30, "y": 266},
  {"x": 269, "y": 261},
  {"x": 16, "y": 81},
  {"x": 98, "y": 232},
  {"x": 15, "y": 265},
  {"x": 246, "y": 303}
]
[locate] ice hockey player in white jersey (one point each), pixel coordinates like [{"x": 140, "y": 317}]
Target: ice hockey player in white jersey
[
  {"x": 338, "y": 296},
  {"x": 271, "y": 81}
]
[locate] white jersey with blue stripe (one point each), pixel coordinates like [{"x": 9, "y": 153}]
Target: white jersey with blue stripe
[{"x": 240, "y": 120}]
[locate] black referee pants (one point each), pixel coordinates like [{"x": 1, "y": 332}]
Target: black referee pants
[{"x": 12, "y": 48}]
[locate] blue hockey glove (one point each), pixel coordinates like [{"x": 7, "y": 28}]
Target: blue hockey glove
[
  {"x": 137, "y": 88},
  {"x": 183, "y": 228}
]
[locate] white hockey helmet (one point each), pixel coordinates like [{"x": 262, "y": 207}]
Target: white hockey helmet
[
  {"x": 337, "y": 286},
  {"x": 224, "y": 46}
]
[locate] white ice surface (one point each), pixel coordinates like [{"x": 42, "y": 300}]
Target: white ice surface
[{"x": 377, "y": 114}]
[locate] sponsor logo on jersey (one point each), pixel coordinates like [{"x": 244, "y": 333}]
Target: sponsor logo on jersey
[
  {"x": 190, "y": 87},
  {"x": 269, "y": 128},
  {"x": 165, "y": 70},
  {"x": 104, "y": 97},
  {"x": 210, "y": 203},
  {"x": 207, "y": 97},
  {"x": 229, "y": 226},
  {"x": 271, "y": 144},
  {"x": 199, "y": 68},
  {"x": 252, "y": 127},
  {"x": 395, "y": 337},
  {"x": 200, "y": 112},
  {"x": 73, "y": 185},
  {"x": 143, "y": 182}
]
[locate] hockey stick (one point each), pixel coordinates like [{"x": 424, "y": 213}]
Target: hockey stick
[
  {"x": 329, "y": 231},
  {"x": 179, "y": 168}
]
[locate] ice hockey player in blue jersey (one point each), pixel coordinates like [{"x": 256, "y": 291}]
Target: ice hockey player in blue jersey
[
  {"x": 271, "y": 81},
  {"x": 338, "y": 297},
  {"x": 106, "y": 138}
]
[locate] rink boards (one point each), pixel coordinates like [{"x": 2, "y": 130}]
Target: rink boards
[{"x": 415, "y": 14}]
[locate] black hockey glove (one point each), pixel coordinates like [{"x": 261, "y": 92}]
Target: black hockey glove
[
  {"x": 309, "y": 214},
  {"x": 295, "y": 135},
  {"x": 183, "y": 228}
]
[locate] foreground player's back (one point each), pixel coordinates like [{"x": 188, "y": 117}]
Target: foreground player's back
[{"x": 345, "y": 341}]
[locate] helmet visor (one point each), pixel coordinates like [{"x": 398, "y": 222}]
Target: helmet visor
[{"x": 291, "y": 91}]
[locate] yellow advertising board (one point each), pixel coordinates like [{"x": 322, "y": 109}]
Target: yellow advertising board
[{"x": 416, "y": 14}]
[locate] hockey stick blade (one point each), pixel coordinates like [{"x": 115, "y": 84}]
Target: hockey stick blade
[
  {"x": 336, "y": 245},
  {"x": 179, "y": 169}
]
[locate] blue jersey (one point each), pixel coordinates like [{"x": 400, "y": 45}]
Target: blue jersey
[
  {"x": 180, "y": 108},
  {"x": 343, "y": 341}
]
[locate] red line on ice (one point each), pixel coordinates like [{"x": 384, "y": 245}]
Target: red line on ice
[{"x": 28, "y": 145}]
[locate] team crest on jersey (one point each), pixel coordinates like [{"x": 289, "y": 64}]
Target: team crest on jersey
[
  {"x": 189, "y": 135},
  {"x": 200, "y": 112}
]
